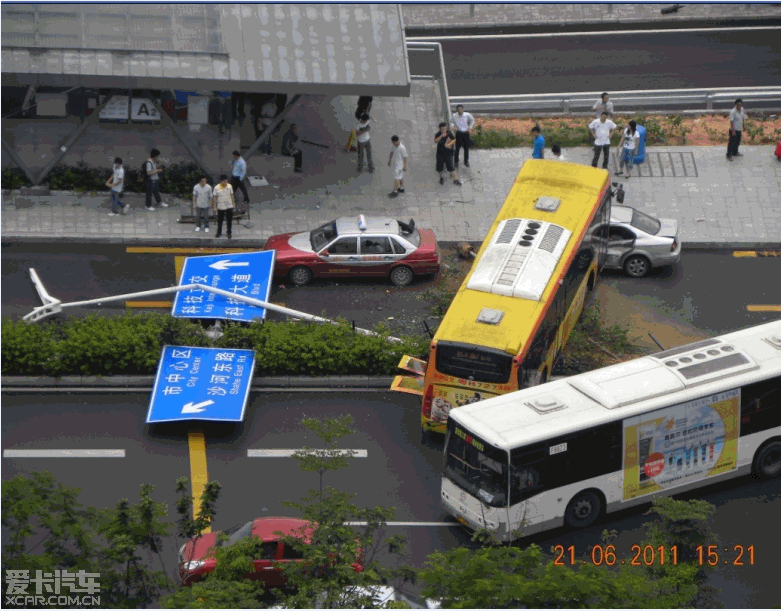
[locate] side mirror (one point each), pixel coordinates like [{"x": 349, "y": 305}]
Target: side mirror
[{"x": 324, "y": 252}]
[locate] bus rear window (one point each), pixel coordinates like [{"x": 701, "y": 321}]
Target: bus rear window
[{"x": 473, "y": 363}]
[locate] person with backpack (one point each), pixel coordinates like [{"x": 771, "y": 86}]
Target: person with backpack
[{"x": 151, "y": 173}]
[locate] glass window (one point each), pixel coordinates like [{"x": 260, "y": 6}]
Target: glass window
[
  {"x": 645, "y": 223},
  {"x": 473, "y": 363},
  {"x": 291, "y": 553},
  {"x": 760, "y": 406},
  {"x": 375, "y": 246},
  {"x": 398, "y": 247},
  {"x": 268, "y": 550},
  {"x": 481, "y": 472},
  {"x": 322, "y": 235},
  {"x": 408, "y": 231},
  {"x": 238, "y": 533},
  {"x": 344, "y": 246}
]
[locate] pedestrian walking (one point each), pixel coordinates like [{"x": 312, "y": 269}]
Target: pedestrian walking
[
  {"x": 601, "y": 130},
  {"x": 736, "y": 118},
  {"x": 603, "y": 105},
  {"x": 202, "y": 204},
  {"x": 445, "y": 141},
  {"x": 627, "y": 146},
  {"x": 238, "y": 172},
  {"x": 290, "y": 148},
  {"x": 364, "y": 141},
  {"x": 117, "y": 184},
  {"x": 539, "y": 143},
  {"x": 225, "y": 203},
  {"x": 558, "y": 154},
  {"x": 152, "y": 171},
  {"x": 398, "y": 160},
  {"x": 462, "y": 122}
]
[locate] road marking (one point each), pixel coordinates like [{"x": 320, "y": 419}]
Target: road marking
[
  {"x": 149, "y": 304},
  {"x": 289, "y": 453},
  {"x": 407, "y": 524},
  {"x": 741, "y": 254},
  {"x": 63, "y": 454},
  {"x": 199, "y": 476},
  {"x": 764, "y": 308},
  {"x": 167, "y": 250}
]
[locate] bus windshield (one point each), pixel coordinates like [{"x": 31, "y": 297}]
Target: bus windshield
[
  {"x": 476, "y": 467},
  {"x": 473, "y": 363}
]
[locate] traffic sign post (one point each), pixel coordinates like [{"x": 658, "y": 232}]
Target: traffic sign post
[
  {"x": 246, "y": 273},
  {"x": 201, "y": 384}
]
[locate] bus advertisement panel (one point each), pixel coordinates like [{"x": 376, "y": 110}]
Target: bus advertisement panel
[{"x": 681, "y": 444}]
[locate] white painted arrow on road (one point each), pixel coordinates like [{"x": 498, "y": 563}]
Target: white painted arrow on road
[
  {"x": 196, "y": 408},
  {"x": 225, "y": 264}
]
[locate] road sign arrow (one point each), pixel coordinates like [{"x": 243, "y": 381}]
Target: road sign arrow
[
  {"x": 225, "y": 264},
  {"x": 196, "y": 408}
]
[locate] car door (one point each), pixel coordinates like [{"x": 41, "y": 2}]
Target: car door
[
  {"x": 265, "y": 566},
  {"x": 621, "y": 241},
  {"x": 341, "y": 257},
  {"x": 377, "y": 255}
]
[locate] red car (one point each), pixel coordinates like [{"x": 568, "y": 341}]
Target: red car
[
  {"x": 356, "y": 247},
  {"x": 196, "y": 561}
]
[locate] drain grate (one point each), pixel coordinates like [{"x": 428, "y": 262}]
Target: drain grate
[{"x": 667, "y": 165}]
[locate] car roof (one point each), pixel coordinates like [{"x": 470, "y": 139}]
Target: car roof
[
  {"x": 621, "y": 214},
  {"x": 348, "y": 225},
  {"x": 265, "y": 528}
]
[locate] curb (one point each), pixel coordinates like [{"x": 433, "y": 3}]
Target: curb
[{"x": 294, "y": 383}]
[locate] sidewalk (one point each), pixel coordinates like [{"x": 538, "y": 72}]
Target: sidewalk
[{"x": 717, "y": 203}]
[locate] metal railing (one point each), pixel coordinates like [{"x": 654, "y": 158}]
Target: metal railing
[
  {"x": 434, "y": 47},
  {"x": 624, "y": 101}
]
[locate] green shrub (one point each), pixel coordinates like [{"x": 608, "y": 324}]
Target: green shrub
[
  {"x": 654, "y": 132},
  {"x": 496, "y": 139},
  {"x": 14, "y": 178},
  {"x": 27, "y": 349}
]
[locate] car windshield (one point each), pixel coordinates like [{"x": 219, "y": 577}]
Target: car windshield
[
  {"x": 322, "y": 235},
  {"x": 236, "y": 533},
  {"x": 408, "y": 231},
  {"x": 645, "y": 223}
]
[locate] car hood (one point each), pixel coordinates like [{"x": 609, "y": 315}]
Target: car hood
[
  {"x": 300, "y": 241},
  {"x": 202, "y": 546},
  {"x": 669, "y": 228}
]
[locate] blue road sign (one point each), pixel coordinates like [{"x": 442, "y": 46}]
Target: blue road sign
[
  {"x": 244, "y": 273},
  {"x": 201, "y": 384}
]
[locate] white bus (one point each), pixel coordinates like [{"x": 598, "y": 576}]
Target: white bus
[{"x": 567, "y": 451}]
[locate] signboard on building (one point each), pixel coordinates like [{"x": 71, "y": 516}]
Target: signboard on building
[
  {"x": 142, "y": 109},
  {"x": 116, "y": 109},
  {"x": 201, "y": 384},
  {"x": 120, "y": 107}
]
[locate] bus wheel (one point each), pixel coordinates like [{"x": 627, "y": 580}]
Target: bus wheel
[
  {"x": 583, "y": 510},
  {"x": 767, "y": 462}
]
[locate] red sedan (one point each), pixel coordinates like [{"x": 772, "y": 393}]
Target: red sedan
[
  {"x": 196, "y": 560},
  {"x": 356, "y": 247}
]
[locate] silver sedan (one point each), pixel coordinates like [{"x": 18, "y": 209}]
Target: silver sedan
[{"x": 638, "y": 242}]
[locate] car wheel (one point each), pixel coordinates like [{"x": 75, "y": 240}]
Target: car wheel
[
  {"x": 637, "y": 266},
  {"x": 300, "y": 275},
  {"x": 767, "y": 462},
  {"x": 401, "y": 275},
  {"x": 583, "y": 510}
]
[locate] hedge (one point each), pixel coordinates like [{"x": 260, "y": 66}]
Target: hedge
[{"x": 131, "y": 344}]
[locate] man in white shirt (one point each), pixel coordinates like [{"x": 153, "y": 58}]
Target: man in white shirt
[
  {"x": 364, "y": 141},
  {"x": 603, "y": 105},
  {"x": 117, "y": 184},
  {"x": 736, "y": 118},
  {"x": 601, "y": 130},
  {"x": 398, "y": 160},
  {"x": 202, "y": 203},
  {"x": 461, "y": 123}
]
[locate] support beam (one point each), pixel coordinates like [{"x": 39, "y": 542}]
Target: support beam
[
  {"x": 88, "y": 122},
  {"x": 29, "y": 96},
  {"x": 18, "y": 161},
  {"x": 164, "y": 118},
  {"x": 266, "y": 133}
]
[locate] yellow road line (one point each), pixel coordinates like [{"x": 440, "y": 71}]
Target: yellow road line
[
  {"x": 149, "y": 304},
  {"x": 756, "y": 253},
  {"x": 166, "y": 250},
  {"x": 764, "y": 308},
  {"x": 199, "y": 476}
]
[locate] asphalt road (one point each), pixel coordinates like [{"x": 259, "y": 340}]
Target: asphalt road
[
  {"x": 611, "y": 61},
  {"x": 709, "y": 290},
  {"x": 399, "y": 471}
]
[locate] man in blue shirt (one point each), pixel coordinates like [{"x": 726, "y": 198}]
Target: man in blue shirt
[
  {"x": 238, "y": 171},
  {"x": 539, "y": 143}
]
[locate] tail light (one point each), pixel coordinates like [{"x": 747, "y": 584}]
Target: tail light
[
  {"x": 674, "y": 246},
  {"x": 428, "y": 399}
]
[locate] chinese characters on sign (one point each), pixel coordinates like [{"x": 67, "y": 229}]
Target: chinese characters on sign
[
  {"x": 51, "y": 589},
  {"x": 201, "y": 384},
  {"x": 247, "y": 274}
]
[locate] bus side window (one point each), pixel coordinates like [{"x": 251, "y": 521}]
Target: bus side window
[
  {"x": 528, "y": 465},
  {"x": 756, "y": 406}
]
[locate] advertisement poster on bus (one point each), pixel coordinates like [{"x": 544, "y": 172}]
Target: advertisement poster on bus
[
  {"x": 446, "y": 398},
  {"x": 681, "y": 444}
]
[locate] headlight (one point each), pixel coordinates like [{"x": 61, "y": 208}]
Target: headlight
[{"x": 193, "y": 565}]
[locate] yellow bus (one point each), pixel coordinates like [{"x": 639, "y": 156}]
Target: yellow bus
[{"x": 526, "y": 290}]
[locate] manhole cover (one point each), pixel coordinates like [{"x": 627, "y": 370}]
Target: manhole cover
[{"x": 667, "y": 165}]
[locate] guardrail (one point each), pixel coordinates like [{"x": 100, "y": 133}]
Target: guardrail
[
  {"x": 624, "y": 101},
  {"x": 434, "y": 47}
]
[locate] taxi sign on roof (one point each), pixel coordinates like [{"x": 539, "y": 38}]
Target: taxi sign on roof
[
  {"x": 201, "y": 384},
  {"x": 244, "y": 273}
]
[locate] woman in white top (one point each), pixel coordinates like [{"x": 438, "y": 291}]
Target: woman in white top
[{"x": 628, "y": 148}]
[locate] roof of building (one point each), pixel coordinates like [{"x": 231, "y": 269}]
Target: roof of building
[{"x": 283, "y": 48}]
